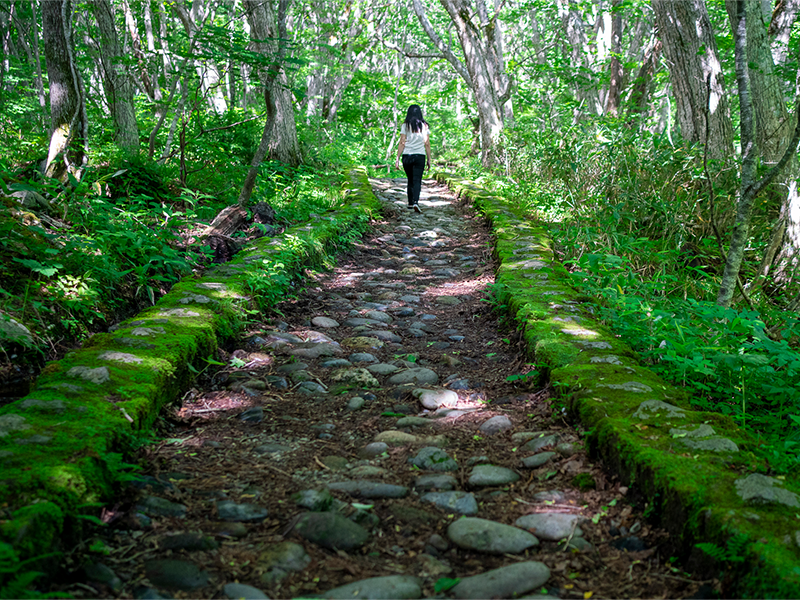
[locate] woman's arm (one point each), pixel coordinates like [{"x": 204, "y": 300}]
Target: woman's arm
[
  {"x": 400, "y": 148},
  {"x": 428, "y": 153}
]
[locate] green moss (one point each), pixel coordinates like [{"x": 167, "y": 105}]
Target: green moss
[{"x": 584, "y": 482}]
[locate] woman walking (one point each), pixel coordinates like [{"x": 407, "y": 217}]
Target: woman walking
[{"x": 414, "y": 146}]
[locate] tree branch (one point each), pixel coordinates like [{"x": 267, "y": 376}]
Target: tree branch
[{"x": 440, "y": 45}]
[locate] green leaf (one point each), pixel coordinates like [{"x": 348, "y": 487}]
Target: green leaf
[{"x": 445, "y": 583}]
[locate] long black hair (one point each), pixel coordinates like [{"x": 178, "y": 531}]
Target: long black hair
[{"x": 414, "y": 119}]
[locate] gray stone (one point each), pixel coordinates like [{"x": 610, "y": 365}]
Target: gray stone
[
  {"x": 311, "y": 388},
  {"x": 580, "y": 544},
  {"x": 331, "y": 531},
  {"x": 316, "y": 350},
  {"x": 357, "y": 322},
  {"x": 495, "y": 425},
  {"x": 99, "y": 375},
  {"x": 610, "y": 359},
  {"x": 365, "y": 471},
  {"x": 478, "y": 460},
  {"x": 378, "y": 315},
  {"x": 490, "y": 537},
  {"x": 387, "y": 336},
  {"x": 379, "y": 588},
  {"x": 396, "y": 438},
  {"x": 14, "y": 331},
  {"x": 362, "y": 357},
  {"x": 433, "y": 459},
  {"x": 181, "y": 313},
  {"x": 567, "y": 449},
  {"x": 506, "y": 582},
  {"x": 154, "y": 506},
  {"x": 10, "y": 423},
  {"x": 409, "y": 298},
  {"x": 760, "y": 489},
  {"x": 271, "y": 448},
  {"x": 237, "y": 591},
  {"x": 252, "y": 415},
  {"x": 324, "y": 322},
  {"x": 491, "y": 475},
  {"x": 433, "y": 399},
  {"x": 335, "y": 363},
  {"x": 148, "y": 331},
  {"x": 713, "y": 444},
  {"x": 382, "y": 369},
  {"x": 447, "y": 300},
  {"x": 175, "y": 574},
  {"x": 419, "y": 376},
  {"x": 35, "y": 439},
  {"x": 356, "y": 403},
  {"x": 657, "y": 408},
  {"x": 278, "y": 560},
  {"x": 335, "y": 463},
  {"x": 459, "y": 502},
  {"x": 355, "y": 376},
  {"x": 551, "y": 526},
  {"x": 369, "y": 489},
  {"x": 537, "y": 460},
  {"x": 432, "y": 481},
  {"x": 702, "y": 431},
  {"x": 414, "y": 422},
  {"x": 189, "y": 541},
  {"x": 628, "y": 386},
  {"x": 374, "y": 449},
  {"x": 292, "y": 367},
  {"x": 242, "y": 513},
  {"x": 536, "y": 444},
  {"x": 100, "y": 573},
  {"x": 45, "y": 406},
  {"x": 122, "y": 357},
  {"x": 314, "y": 500}
]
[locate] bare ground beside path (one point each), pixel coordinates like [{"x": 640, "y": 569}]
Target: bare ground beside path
[{"x": 305, "y": 397}]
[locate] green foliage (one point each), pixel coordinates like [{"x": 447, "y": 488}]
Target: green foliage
[
  {"x": 735, "y": 550},
  {"x": 15, "y": 578}
]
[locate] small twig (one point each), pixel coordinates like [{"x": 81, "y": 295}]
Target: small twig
[
  {"x": 321, "y": 464},
  {"x": 289, "y": 475}
]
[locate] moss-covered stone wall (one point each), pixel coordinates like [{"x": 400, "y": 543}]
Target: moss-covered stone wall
[
  {"x": 697, "y": 470},
  {"x": 60, "y": 446}
]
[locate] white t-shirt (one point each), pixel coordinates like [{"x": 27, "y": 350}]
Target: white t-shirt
[{"x": 415, "y": 142}]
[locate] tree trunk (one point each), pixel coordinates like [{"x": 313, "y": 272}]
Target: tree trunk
[
  {"x": 615, "y": 69},
  {"x": 483, "y": 68},
  {"x": 69, "y": 126},
  {"x": 639, "y": 98},
  {"x": 691, "y": 52},
  {"x": 269, "y": 36},
  {"x": 780, "y": 29},
  {"x": 118, "y": 86}
]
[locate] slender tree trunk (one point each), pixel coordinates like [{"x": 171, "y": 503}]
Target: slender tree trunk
[
  {"x": 691, "y": 52},
  {"x": 780, "y": 29},
  {"x": 69, "y": 125},
  {"x": 117, "y": 84},
  {"x": 615, "y": 70}
]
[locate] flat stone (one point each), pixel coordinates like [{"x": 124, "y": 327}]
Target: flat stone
[
  {"x": 362, "y": 357},
  {"x": 292, "y": 367},
  {"x": 419, "y": 376},
  {"x": 356, "y": 322},
  {"x": 374, "y": 449},
  {"x": 314, "y": 500},
  {"x": 434, "y": 481},
  {"x": 316, "y": 350},
  {"x": 365, "y": 471},
  {"x": 506, "y": 582},
  {"x": 10, "y": 423},
  {"x": 356, "y": 403},
  {"x": 148, "y": 331},
  {"x": 355, "y": 376},
  {"x": 551, "y": 526},
  {"x": 175, "y": 574},
  {"x": 537, "y": 460},
  {"x": 702, "y": 431},
  {"x": 489, "y": 537},
  {"x": 387, "y": 336},
  {"x": 536, "y": 444},
  {"x": 242, "y": 513},
  {"x": 495, "y": 425},
  {"x": 713, "y": 444},
  {"x": 189, "y": 541},
  {"x": 122, "y": 357},
  {"x": 362, "y": 342},
  {"x": 100, "y": 573},
  {"x": 182, "y": 313},
  {"x": 231, "y": 530},
  {"x": 609, "y": 359},
  {"x": 56, "y": 407},
  {"x": 369, "y": 489},
  {"x": 335, "y": 463},
  {"x": 379, "y": 315},
  {"x": 410, "y": 298},
  {"x": 459, "y": 502},
  {"x": 278, "y": 560},
  {"x": 159, "y": 507},
  {"x": 99, "y": 375},
  {"x": 311, "y": 388},
  {"x": 379, "y": 588},
  {"x": 324, "y": 322},
  {"x": 760, "y": 489},
  {"x": 271, "y": 448},
  {"x": 331, "y": 531},
  {"x": 434, "y": 399},
  {"x": 335, "y": 363},
  {"x": 414, "y": 422},
  {"x": 447, "y": 300},
  {"x": 382, "y": 369},
  {"x": 656, "y": 408},
  {"x": 433, "y": 459},
  {"x": 491, "y": 475},
  {"x": 235, "y": 591},
  {"x": 15, "y": 331}
]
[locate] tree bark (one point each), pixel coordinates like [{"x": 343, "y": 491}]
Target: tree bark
[
  {"x": 116, "y": 82},
  {"x": 780, "y": 29},
  {"x": 615, "y": 69},
  {"x": 69, "y": 125},
  {"x": 691, "y": 52}
]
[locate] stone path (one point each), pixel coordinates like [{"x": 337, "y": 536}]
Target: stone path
[{"x": 369, "y": 445}]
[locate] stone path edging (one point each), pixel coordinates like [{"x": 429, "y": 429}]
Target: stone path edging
[
  {"x": 695, "y": 468},
  {"x": 57, "y": 444}
]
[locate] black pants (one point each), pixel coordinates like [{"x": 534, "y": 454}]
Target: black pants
[{"x": 414, "y": 166}]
